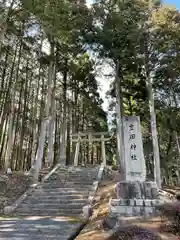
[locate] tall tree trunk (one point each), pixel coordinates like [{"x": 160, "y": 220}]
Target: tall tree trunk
[
  {"x": 64, "y": 125},
  {"x": 2, "y": 143},
  {"x": 120, "y": 139},
  {"x": 69, "y": 124},
  {"x": 3, "y": 89},
  {"x": 56, "y": 140},
  {"x": 12, "y": 112},
  {"x": 23, "y": 126},
  {"x": 52, "y": 124},
  {"x": 157, "y": 170},
  {"x": 37, "y": 164},
  {"x": 10, "y": 137},
  {"x": 34, "y": 116},
  {"x": 4, "y": 108},
  {"x": 154, "y": 135},
  {"x": 177, "y": 139},
  {"x": 16, "y": 145}
]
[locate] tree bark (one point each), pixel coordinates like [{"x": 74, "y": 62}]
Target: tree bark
[
  {"x": 120, "y": 139},
  {"x": 157, "y": 170},
  {"x": 37, "y": 164},
  {"x": 62, "y": 156}
]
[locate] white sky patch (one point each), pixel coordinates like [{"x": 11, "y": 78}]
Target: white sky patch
[
  {"x": 88, "y": 5},
  {"x": 104, "y": 87},
  {"x": 89, "y": 2},
  {"x": 103, "y": 72},
  {"x": 104, "y": 84},
  {"x": 46, "y": 47}
]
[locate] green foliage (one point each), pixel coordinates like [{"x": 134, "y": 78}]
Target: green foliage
[
  {"x": 129, "y": 32},
  {"x": 60, "y": 19},
  {"x": 133, "y": 32}
]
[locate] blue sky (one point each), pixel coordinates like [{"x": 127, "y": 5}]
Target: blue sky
[{"x": 173, "y": 2}]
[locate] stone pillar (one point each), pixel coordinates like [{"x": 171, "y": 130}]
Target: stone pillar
[
  {"x": 77, "y": 152},
  {"x": 103, "y": 151},
  {"x": 135, "y": 167},
  {"x": 135, "y": 195}
]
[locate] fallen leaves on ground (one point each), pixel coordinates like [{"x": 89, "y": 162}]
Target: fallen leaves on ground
[{"x": 12, "y": 186}]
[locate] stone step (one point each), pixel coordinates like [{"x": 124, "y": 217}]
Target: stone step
[
  {"x": 54, "y": 201},
  {"x": 72, "y": 185},
  {"x": 64, "y": 189},
  {"x": 48, "y": 211},
  {"x": 48, "y": 214},
  {"x": 43, "y": 224},
  {"x": 58, "y": 198},
  {"x": 38, "y": 233},
  {"x": 34, "y": 235},
  {"x": 73, "y": 178},
  {"x": 55, "y": 198},
  {"x": 75, "y": 173},
  {"x": 58, "y": 194},
  {"x": 79, "y": 170},
  {"x": 70, "y": 176},
  {"x": 42, "y": 206},
  {"x": 61, "y": 190},
  {"x": 62, "y": 184},
  {"x": 17, "y": 235},
  {"x": 74, "y": 188},
  {"x": 70, "y": 181},
  {"x": 82, "y": 173},
  {"x": 71, "y": 196}
]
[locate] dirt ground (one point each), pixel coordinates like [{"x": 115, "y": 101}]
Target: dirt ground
[
  {"x": 94, "y": 229},
  {"x": 13, "y": 186}
]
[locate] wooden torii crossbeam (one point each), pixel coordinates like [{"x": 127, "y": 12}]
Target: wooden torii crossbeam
[{"x": 90, "y": 137}]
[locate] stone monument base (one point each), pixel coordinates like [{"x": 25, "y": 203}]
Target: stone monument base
[{"x": 135, "y": 199}]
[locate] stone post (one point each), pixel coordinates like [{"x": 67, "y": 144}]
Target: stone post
[
  {"x": 103, "y": 152},
  {"x": 77, "y": 151}
]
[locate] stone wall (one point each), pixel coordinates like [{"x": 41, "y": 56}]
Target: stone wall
[
  {"x": 137, "y": 190},
  {"x": 135, "y": 199},
  {"x": 134, "y": 207}
]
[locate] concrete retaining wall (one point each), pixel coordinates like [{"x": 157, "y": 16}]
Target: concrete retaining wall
[{"x": 134, "y": 207}]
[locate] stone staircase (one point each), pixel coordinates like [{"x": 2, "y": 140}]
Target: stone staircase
[
  {"x": 63, "y": 194},
  {"x": 52, "y": 210}
]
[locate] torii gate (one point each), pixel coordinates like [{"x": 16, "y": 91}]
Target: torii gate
[{"x": 90, "y": 137}]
